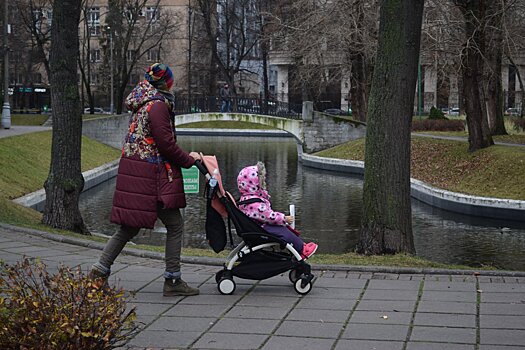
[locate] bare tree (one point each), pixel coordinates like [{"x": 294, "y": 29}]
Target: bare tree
[
  {"x": 36, "y": 16},
  {"x": 65, "y": 181},
  {"x": 386, "y": 223},
  {"x": 138, "y": 28},
  {"x": 85, "y": 57},
  {"x": 233, "y": 32},
  {"x": 329, "y": 42},
  {"x": 30, "y": 43},
  {"x": 202, "y": 69},
  {"x": 472, "y": 67},
  {"x": 442, "y": 35}
]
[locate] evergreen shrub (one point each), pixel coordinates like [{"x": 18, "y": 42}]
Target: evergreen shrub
[
  {"x": 436, "y": 114},
  {"x": 66, "y": 310}
]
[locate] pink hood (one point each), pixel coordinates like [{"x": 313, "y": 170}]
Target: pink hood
[
  {"x": 249, "y": 183},
  {"x": 252, "y": 184}
]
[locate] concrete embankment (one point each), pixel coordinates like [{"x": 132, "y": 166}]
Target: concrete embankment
[{"x": 497, "y": 208}]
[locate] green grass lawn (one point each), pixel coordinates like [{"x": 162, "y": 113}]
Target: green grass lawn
[
  {"x": 26, "y": 159},
  {"x": 39, "y": 119},
  {"x": 496, "y": 171},
  {"x": 29, "y": 119}
]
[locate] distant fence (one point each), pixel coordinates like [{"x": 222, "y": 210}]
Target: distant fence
[{"x": 199, "y": 104}]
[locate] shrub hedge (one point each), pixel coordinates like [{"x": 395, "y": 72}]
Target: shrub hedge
[
  {"x": 62, "y": 311},
  {"x": 438, "y": 125}
]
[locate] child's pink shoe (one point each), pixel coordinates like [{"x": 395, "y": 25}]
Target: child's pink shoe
[{"x": 309, "y": 249}]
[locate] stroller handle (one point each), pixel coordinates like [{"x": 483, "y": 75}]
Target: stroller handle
[{"x": 201, "y": 167}]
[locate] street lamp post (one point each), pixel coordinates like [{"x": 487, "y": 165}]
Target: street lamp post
[
  {"x": 6, "y": 109},
  {"x": 111, "y": 105}
]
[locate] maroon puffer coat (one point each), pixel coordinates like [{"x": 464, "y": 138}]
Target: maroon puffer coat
[{"x": 149, "y": 171}]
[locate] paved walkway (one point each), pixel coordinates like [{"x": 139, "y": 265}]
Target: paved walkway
[
  {"x": 344, "y": 310},
  {"x": 21, "y": 129},
  {"x": 464, "y": 139}
]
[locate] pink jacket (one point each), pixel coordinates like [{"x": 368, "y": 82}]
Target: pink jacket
[{"x": 249, "y": 186}]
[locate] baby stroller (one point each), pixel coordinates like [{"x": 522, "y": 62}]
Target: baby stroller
[{"x": 260, "y": 255}]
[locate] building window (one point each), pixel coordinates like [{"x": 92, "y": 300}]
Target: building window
[
  {"x": 152, "y": 14},
  {"x": 153, "y": 55},
  {"x": 94, "y": 30},
  {"x": 94, "y": 21},
  {"x": 94, "y": 55},
  {"x": 49, "y": 16},
  {"x": 38, "y": 16},
  {"x": 94, "y": 78},
  {"x": 130, "y": 55},
  {"x": 94, "y": 15}
]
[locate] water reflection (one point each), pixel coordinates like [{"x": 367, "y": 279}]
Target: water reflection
[{"x": 328, "y": 208}]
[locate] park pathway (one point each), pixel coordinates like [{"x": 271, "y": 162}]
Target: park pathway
[
  {"x": 345, "y": 309},
  {"x": 21, "y": 129}
]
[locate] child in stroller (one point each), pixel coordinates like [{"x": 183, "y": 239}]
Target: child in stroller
[
  {"x": 255, "y": 203},
  {"x": 260, "y": 254}
]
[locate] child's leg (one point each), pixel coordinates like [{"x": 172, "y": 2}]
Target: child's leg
[{"x": 282, "y": 232}]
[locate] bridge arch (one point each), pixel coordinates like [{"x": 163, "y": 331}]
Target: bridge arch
[
  {"x": 292, "y": 126},
  {"x": 315, "y": 132}
]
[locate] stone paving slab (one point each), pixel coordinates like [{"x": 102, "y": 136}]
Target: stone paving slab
[
  {"x": 380, "y": 317},
  {"x": 447, "y": 307},
  {"x": 438, "y": 346},
  {"x": 444, "y": 334},
  {"x": 298, "y": 343},
  {"x": 345, "y": 309}
]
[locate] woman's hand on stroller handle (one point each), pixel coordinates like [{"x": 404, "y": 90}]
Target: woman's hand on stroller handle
[
  {"x": 289, "y": 219},
  {"x": 195, "y": 156},
  {"x": 202, "y": 168}
]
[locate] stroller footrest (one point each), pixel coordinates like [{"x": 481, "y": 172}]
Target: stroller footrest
[{"x": 256, "y": 238}]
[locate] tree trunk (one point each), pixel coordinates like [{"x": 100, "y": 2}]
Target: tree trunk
[
  {"x": 386, "y": 224},
  {"x": 494, "y": 89},
  {"x": 472, "y": 69},
  {"x": 65, "y": 181}
]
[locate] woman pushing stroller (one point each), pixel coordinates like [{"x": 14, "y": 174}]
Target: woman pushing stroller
[{"x": 255, "y": 203}]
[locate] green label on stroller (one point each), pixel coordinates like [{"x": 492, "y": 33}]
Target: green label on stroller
[{"x": 191, "y": 180}]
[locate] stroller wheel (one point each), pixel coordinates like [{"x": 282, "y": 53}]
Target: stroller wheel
[
  {"x": 226, "y": 286},
  {"x": 300, "y": 289},
  {"x": 293, "y": 276}
]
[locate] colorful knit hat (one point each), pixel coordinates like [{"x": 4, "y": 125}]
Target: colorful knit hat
[{"x": 160, "y": 76}]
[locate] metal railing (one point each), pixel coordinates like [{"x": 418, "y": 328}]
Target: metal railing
[{"x": 200, "y": 104}]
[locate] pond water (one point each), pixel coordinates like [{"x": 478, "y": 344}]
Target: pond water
[{"x": 328, "y": 207}]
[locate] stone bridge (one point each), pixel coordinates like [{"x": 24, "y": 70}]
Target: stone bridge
[{"x": 314, "y": 131}]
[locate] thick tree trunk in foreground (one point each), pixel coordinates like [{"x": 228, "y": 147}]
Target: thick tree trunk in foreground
[
  {"x": 386, "y": 224},
  {"x": 65, "y": 181}
]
